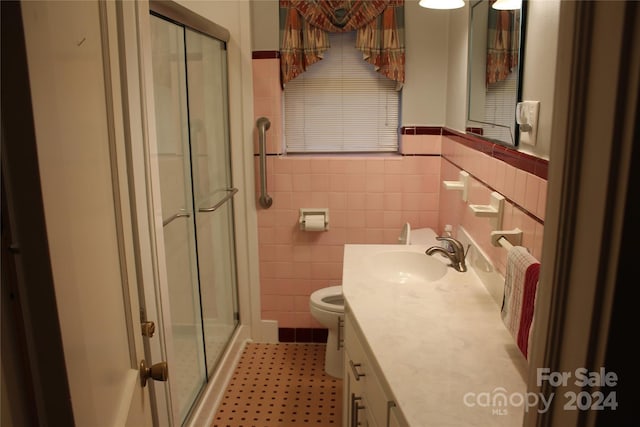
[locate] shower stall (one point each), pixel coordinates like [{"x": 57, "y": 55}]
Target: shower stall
[{"x": 193, "y": 194}]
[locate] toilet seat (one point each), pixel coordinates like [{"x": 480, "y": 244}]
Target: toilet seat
[{"x": 329, "y": 299}]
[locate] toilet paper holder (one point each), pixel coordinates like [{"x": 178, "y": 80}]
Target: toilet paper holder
[{"x": 313, "y": 212}]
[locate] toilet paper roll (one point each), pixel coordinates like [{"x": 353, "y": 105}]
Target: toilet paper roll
[{"x": 314, "y": 223}]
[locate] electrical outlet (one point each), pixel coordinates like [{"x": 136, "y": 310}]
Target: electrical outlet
[{"x": 527, "y": 117}]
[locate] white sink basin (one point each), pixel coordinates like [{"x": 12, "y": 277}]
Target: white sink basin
[{"x": 406, "y": 266}]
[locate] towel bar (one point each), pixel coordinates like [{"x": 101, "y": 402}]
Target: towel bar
[
  {"x": 505, "y": 243},
  {"x": 506, "y": 238}
]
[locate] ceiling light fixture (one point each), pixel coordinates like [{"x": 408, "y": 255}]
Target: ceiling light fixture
[
  {"x": 507, "y": 4},
  {"x": 441, "y": 4}
]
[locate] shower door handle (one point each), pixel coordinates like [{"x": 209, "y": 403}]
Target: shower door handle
[
  {"x": 263, "y": 124},
  {"x": 181, "y": 214},
  {"x": 232, "y": 192}
]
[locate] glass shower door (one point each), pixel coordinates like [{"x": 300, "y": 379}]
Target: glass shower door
[
  {"x": 184, "y": 339},
  {"x": 213, "y": 191},
  {"x": 196, "y": 199}
]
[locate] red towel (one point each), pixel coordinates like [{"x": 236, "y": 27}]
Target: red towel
[{"x": 520, "y": 284}]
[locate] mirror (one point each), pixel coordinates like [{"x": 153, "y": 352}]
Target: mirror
[{"x": 495, "y": 71}]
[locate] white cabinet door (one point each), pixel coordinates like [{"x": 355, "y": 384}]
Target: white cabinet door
[{"x": 366, "y": 402}]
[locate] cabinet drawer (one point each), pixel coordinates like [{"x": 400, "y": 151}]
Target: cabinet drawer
[{"x": 364, "y": 377}]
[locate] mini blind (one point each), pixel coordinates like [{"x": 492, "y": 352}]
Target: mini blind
[
  {"x": 340, "y": 104},
  {"x": 500, "y": 107}
]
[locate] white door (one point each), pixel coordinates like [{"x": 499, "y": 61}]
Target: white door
[{"x": 73, "y": 61}]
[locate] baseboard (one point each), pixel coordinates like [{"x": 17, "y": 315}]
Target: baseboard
[
  {"x": 308, "y": 335},
  {"x": 268, "y": 331}
]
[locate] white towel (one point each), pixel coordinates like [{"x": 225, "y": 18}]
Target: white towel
[{"x": 521, "y": 282}]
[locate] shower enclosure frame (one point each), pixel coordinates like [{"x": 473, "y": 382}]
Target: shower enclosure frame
[{"x": 153, "y": 294}]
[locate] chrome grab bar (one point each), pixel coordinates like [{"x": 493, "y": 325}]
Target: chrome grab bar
[
  {"x": 175, "y": 216},
  {"x": 232, "y": 192},
  {"x": 263, "y": 124}
]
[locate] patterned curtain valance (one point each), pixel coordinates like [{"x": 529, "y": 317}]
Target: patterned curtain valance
[
  {"x": 503, "y": 43},
  {"x": 339, "y": 15},
  {"x": 305, "y": 24}
]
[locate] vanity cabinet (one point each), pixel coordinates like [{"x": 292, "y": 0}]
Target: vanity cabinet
[{"x": 367, "y": 400}]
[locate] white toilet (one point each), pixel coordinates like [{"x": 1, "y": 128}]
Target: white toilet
[
  {"x": 420, "y": 236},
  {"x": 327, "y": 304},
  {"x": 327, "y": 307}
]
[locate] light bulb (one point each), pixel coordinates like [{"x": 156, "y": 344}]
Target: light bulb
[
  {"x": 441, "y": 4},
  {"x": 507, "y": 5}
]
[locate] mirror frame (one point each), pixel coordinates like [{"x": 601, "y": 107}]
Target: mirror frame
[{"x": 470, "y": 129}]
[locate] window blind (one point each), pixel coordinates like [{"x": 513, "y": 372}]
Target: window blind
[
  {"x": 340, "y": 104},
  {"x": 500, "y": 107}
]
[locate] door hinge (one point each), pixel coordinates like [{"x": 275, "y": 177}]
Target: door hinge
[{"x": 148, "y": 328}]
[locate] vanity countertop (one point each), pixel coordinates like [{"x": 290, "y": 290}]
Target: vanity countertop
[{"x": 441, "y": 346}]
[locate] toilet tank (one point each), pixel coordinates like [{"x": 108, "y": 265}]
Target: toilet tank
[{"x": 419, "y": 236}]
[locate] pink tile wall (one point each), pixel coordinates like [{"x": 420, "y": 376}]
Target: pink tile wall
[
  {"x": 267, "y": 102},
  {"x": 420, "y": 144},
  {"x": 369, "y": 199},
  {"x": 524, "y": 191}
]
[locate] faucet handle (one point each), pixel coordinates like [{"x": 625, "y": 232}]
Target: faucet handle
[{"x": 456, "y": 246}]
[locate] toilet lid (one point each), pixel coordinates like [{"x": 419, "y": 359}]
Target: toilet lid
[
  {"x": 423, "y": 236},
  {"x": 329, "y": 299},
  {"x": 419, "y": 236}
]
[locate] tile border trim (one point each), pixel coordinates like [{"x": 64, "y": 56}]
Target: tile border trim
[
  {"x": 515, "y": 205},
  {"x": 303, "y": 335},
  {"x": 421, "y": 130},
  {"x": 265, "y": 54},
  {"x": 518, "y": 159}
]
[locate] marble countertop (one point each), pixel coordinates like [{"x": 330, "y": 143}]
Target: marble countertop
[{"x": 441, "y": 346}]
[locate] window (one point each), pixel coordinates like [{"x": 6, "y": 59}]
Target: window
[{"x": 341, "y": 104}]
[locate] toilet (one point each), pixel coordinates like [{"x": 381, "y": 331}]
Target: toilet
[
  {"x": 420, "y": 236},
  {"x": 327, "y": 307},
  {"x": 327, "y": 304}
]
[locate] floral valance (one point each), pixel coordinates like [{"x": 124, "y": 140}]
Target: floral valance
[
  {"x": 503, "y": 43},
  {"x": 305, "y": 26}
]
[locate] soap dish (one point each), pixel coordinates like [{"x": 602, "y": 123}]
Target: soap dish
[{"x": 493, "y": 210}]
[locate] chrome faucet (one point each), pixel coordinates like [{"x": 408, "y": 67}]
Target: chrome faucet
[{"x": 456, "y": 255}]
